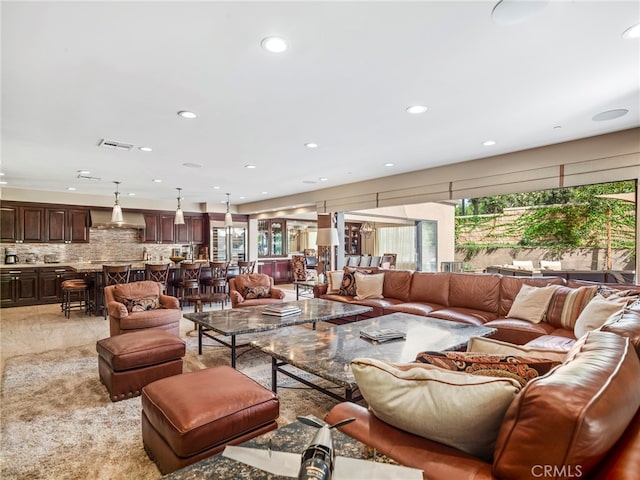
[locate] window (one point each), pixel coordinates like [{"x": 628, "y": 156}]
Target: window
[{"x": 400, "y": 240}]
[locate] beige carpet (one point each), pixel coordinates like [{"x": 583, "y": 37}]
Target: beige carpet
[{"x": 58, "y": 423}]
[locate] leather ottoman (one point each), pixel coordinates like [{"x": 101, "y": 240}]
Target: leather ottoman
[
  {"x": 194, "y": 415},
  {"x": 129, "y": 361}
]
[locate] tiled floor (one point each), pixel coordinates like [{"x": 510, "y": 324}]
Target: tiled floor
[{"x": 44, "y": 327}]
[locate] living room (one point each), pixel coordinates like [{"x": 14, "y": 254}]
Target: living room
[{"x": 327, "y": 128}]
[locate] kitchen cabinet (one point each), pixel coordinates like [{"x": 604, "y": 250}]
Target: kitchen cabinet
[
  {"x": 279, "y": 270},
  {"x": 159, "y": 228},
  {"x": 50, "y": 283},
  {"x": 21, "y": 224},
  {"x": 18, "y": 287},
  {"x": 65, "y": 225},
  {"x": 192, "y": 231}
]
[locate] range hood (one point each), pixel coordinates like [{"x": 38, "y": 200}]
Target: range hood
[{"x": 102, "y": 219}]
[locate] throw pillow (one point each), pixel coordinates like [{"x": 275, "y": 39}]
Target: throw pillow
[
  {"x": 567, "y": 303},
  {"x": 251, "y": 293},
  {"x": 597, "y": 312},
  {"x": 531, "y": 303},
  {"x": 334, "y": 280},
  {"x": 488, "y": 345},
  {"x": 521, "y": 369},
  {"x": 369, "y": 286},
  {"x": 348, "y": 286},
  {"x": 141, "y": 304},
  {"x": 460, "y": 410}
]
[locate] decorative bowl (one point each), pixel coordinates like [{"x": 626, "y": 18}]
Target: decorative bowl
[{"x": 176, "y": 259}]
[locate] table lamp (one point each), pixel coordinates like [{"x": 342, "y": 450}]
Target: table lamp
[{"x": 327, "y": 237}]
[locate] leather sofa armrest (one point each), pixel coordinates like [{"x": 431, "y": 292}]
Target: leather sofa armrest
[
  {"x": 236, "y": 298},
  {"x": 117, "y": 310},
  {"x": 277, "y": 293},
  {"x": 167, "y": 301},
  {"x": 320, "y": 289}
]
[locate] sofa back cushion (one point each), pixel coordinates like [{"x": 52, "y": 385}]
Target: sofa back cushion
[
  {"x": 475, "y": 290},
  {"x": 626, "y": 325},
  {"x": 397, "y": 284},
  {"x": 573, "y": 416},
  {"x": 136, "y": 290},
  {"x": 430, "y": 287},
  {"x": 510, "y": 286},
  {"x": 246, "y": 282}
]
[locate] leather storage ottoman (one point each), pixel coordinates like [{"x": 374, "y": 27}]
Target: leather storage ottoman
[
  {"x": 194, "y": 415},
  {"x": 129, "y": 361}
]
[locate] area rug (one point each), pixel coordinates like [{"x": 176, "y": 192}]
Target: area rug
[{"x": 58, "y": 422}]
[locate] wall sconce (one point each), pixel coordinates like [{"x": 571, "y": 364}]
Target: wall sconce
[
  {"x": 116, "y": 213},
  {"x": 179, "y": 218}
]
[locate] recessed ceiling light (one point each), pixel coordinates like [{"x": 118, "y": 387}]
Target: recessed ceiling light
[
  {"x": 2, "y": 182},
  {"x": 145, "y": 149},
  {"x": 488, "y": 143},
  {"x": 131, "y": 194},
  {"x": 71, "y": 189},
  {"x": 1, "y": 174},
  {"x": 191, "y": 165},
  {"x": 388, "y": 164},
  {"x": 610, "y": 115},
  {"x": 249, "y": 166},
  {"x": 156, "y": 180},
  {"x": 311, "y": 145},
  {"x": 241, "y": 197},
  {"x": 84, "y": 172},
  {"x": 274, "y": 44},
  {"x": 216, "y": 188},
  {"x": 632, "y": 32},
  {"x": 264, "y": 193},
  {"x": 323, "y": 179},
  {"x": 187, "y": 114},
  {"x": 416, "y": 109},
  {"x": 512, "y": 12}
]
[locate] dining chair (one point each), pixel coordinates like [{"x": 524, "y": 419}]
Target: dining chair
[{"x": 114, "y": 275}]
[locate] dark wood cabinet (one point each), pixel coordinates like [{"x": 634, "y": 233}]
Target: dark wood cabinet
[
  {"x": 22, "y": 224},
  {"x": 65, "y": 225},
  {"x": 50, "y": 283},
  {"x": 19, "y": 287},
  {"x": 78, "y": 226},
  {"x": 159, "y": 228},
  {"x": 182, "y": 231},
  {"x": 192, "y": 231},
  {"x": 352, "y": 240},
  {"x": 56, "y": 225},
  {"x": 167, "y": 230},
  {"x": 197, "y": 230},
  {"x": 279, "y": 270}
]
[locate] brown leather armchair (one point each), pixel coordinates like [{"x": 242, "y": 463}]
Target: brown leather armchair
[
  {"x": 139, "y": 305},
  {"x": 253, "y": 289}
]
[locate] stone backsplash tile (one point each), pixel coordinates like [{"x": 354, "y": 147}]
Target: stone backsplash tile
[{"x": 105, "y": 244}]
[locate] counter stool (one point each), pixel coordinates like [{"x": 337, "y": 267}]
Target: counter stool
[
  {"x": 129, "y": 361},
  {"x": 192, "y": 416},
  {"x": 201, "y": 298},
  {"x": 76, "y": 290}
]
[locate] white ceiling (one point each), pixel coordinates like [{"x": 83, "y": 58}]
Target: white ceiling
[{"x": 74, "y": 73}]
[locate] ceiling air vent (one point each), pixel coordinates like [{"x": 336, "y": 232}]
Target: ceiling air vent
[{"x": 116, "y": 145}]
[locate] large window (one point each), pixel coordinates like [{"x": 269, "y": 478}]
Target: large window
[
  {"x": 400, "y": 240},
  {"x": 428, "y": 246}
]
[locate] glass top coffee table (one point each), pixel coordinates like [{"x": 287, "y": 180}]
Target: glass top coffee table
[
  {"x": 237, "y": 321},
  {"x": 328, "y": 354}
]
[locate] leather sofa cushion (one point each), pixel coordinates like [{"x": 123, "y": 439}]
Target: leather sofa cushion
[
  {"x": 573, "y": 416},
  {"x": 429, "y": 287},
  {"x": 210, "y": 415},
  {"x": 140, "y": 349},
  {"x": 397, "y": 284},
  {"x": 414, "y": 308},
  {"x": 492, "y": 346},
  {"x": 159, "y": 317},
  {"x": 518, "y": 331},
  {"x": 627, "y": 325},
  {"x": 464, "y": 315},
  {"x": 143, "y": 289},
  {"x": 252, "y": 280},
  {"x": 476, "y": 291}
]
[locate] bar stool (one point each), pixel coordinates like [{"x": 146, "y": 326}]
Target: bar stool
[
  {"x": 217, "y": 282},
  {"x": 157, "y": 273},
  {"x": 76, "y": 290},
  {"x": 113, "y": 275},
  {"x": 245, "y": 268},
  {"x": 189, "y": 281}
]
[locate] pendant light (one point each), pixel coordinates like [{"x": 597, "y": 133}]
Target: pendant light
[
  {"x": 228, "y": 219},
  {"x": 179, "y": 218},
  {"x": 116, "y": 214}
]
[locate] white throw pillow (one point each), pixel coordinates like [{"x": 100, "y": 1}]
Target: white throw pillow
[
  {"x": 369, "y": 285},
  {"x": 334, "y": 280},
  {"x": 454, "y": 408},
  {"x": 597, "y": 312},
  {"x": 488, "y": 345},
  {"x": 531, "y": 303}
]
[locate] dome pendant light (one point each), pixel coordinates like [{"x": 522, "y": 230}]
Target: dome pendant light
[
  {"x": 179, "y": 218},
  {"x": 228, "y": 219},
  {"x": 116, "y": 214}
]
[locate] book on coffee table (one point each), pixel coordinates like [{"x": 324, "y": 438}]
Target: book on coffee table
[
  {"x": 281, "y": 310},
  {"x": 380, "y": 335}
]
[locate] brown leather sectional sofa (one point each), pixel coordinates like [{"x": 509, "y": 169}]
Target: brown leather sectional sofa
[
  {"x": 582, "y": 420},
  {"x": 479, "y": 299}
]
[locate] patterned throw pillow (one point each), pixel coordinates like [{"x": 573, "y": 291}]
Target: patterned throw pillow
[
  {"x": 521, "y": 369},
  {"x": 250, "y": 293},
  {"x": 348, "y": 285},
  {"x": 141, "y": 304},
  {"x": 566, "y": 305}
]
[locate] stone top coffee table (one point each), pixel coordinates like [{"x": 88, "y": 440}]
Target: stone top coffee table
[
  {"x": 242, "y": 320},
  {"x": 328, "y": 354}
]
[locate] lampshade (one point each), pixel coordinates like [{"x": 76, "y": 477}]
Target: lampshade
[
  {"x": 116, "y": 213},
  {"x": 228, "y": 219},
  {"x": 328, "y": 237},
  {"x": 179, "y": 218}
]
